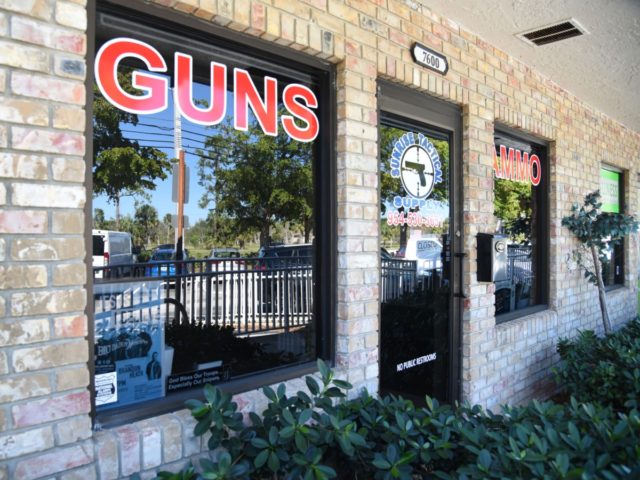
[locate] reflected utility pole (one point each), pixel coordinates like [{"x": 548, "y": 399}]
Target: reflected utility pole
[
  {"x": 180, "y": 207},
  {"x": 179, "y": 154}
]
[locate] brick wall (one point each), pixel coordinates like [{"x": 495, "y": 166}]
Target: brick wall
[
  {"x": 45, "y": 429},
  {"x": 44, "y": 401}
]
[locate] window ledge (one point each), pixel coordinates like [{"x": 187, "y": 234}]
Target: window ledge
[
  {"x": 519, "y": 314},
  {"x": 614, "y": 288},
  {"x": 152, "y": 408}
]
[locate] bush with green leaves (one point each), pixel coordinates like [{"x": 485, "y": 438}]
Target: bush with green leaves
[
  {"x": 605, "y": 370},
  {"x": 322, "y": 435},
  {"x": 597, "y": 232}
]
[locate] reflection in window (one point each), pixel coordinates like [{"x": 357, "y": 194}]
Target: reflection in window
[
  {"x": 415, "y": 258},
  {"x": 414, "y": 207},
  {"x": 232, "y": 294},
  {"x": 519, "y": 207},
  {"x": 611, "y": 192}
]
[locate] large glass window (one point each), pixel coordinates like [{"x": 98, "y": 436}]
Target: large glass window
[
  {"x": 519, "y": 245},
  {"x": 207, "y": 235},
  {"x": 612, "y": 195}
]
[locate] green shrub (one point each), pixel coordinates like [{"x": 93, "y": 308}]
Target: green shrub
[
  {"x": 605, "y": 370},
  {"x": 322, "y": 436}
]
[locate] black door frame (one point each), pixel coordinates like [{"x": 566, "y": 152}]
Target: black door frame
[{"x": 419, "y": 107}]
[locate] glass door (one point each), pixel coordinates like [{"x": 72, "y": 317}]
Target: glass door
[{"x": 420, "y": 276}]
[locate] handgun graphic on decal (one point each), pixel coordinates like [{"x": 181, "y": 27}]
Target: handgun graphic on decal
[{"x": 419, "y": 169}]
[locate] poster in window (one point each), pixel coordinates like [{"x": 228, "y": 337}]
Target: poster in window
[
  {"x": 610, "y": 190},
  {"x": 129, "y": 350}
]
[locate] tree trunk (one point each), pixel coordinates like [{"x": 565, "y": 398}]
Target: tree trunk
[
  {"x": 264, "y": 236},
  {"x": 117, "y": 202},
  {"x": 307, "y": 229},
  {"x": 601, "y": 293},
  {"x": 403, "y": 231}
]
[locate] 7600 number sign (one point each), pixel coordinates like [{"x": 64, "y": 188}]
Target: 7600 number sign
[{"x": 429, "y": 58}]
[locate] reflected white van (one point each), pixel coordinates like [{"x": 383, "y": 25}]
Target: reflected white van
[{"x": 111, "y": 249}]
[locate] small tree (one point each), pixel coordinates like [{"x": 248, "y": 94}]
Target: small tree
[
  {"x": 597, "y": 232},
  {"x": 145, "y": 224}
]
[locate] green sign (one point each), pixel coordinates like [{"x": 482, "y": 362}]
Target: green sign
[{"x": 610, "y": 190}]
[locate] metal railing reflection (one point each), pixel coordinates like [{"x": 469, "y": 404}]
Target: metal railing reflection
[
  {"x": 400, "y": 278},
  {"x": 516, "y": 291},
  {"x": 251, "y": 295}
]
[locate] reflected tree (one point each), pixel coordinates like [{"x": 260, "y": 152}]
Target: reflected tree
[
  {"x": 514, "y": 207},
  {"x": 391, "y": 187},
  {"x": 256, "y": 180},
  {"x": 145, "y": 224},
  {"x": 98, "y": 218},
  {"x": 121, "y": 166}
]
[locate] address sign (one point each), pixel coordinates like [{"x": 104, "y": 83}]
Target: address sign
[{"x": 429, "y": 58}]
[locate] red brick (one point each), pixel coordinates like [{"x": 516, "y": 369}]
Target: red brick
[
  {"x": 363, "y": 67},
  {"x": 66, "y": 327},
  {"x": 24, "y": 386},
  {"x": 71, "y": 15},
  {"x": 39, "y": 33},
  {"x": 352, "y": 49},
  {"x": 431, "y": 40},
  {"x": 258, "y": 17},
  {"x": 20, "y": 56},
  {"x": 54, "y": 462},
  {"x": 34, "y": 8},
  {"x": 129, "y": 441},
  {"x": 19, "y": 110},
  {"x": 23, "y": 443},
  {"x": 107, "y": 454},
  {"x": 400, "y": 38},
  {"x": 23, "y": 166},
  {"x": 23, "y": 221},
  {"x": 51, "y": 355},
  {"x": 441, "y": 32},
  {"x": 47, "y": 141},
  {"x": 43, "y": 411},
  {"x": 49, "y": 88},
  {"x": 319, "y": 4}
]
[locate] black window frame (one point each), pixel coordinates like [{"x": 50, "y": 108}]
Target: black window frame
[
  {"x": 619, "y": 248},
  {"x": 325, "y": 198},
  {"x": 543, "y": 228}
]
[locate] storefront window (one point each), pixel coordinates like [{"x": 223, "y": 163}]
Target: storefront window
[
  {"x": 206, "y": 232},
  {"x": 519, "y": 244},
  {"x": 611, "y": 196}
]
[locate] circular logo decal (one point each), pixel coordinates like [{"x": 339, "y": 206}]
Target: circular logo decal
[{"x": 416, "y": 161}]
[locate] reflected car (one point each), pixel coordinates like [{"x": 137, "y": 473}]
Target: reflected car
[
  {"x": 284, "y": 256},
  {"x": 163, "y": 262},
  {"x": 225, "y": 259}
]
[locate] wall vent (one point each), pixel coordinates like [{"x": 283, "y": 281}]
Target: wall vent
[{"x": 553, "y": 33}]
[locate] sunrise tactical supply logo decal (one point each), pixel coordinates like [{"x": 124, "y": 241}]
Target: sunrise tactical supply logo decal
[{"x": 416, "y": 162}]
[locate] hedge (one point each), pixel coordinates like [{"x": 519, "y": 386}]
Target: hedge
[{"x": 322, "y": 435}]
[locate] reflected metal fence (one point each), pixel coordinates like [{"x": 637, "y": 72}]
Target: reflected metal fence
[
  {"x": 400, "y": 277},
  {"x": 252, "y": 295},
  {"x": 516, "y": 291}
]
